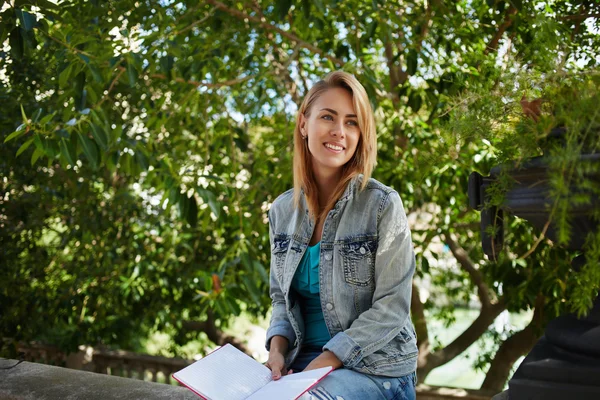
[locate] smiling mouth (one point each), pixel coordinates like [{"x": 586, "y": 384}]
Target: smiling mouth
[{"x": 333, "y": 147}]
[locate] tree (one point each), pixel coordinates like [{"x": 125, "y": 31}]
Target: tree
[{"x": 182, "y": 111}]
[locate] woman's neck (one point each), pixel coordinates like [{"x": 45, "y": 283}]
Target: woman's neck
[{"x": 326, "y": 184}]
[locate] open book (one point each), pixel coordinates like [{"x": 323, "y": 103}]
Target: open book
[{"x": 229, "y": 374}]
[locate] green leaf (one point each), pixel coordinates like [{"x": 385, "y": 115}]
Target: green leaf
[
  {"x": 19, "y": 132},
  {"x": 306, "y": 8},
  {"x": 517, "y": 3},
  {"x": 85, "y": 58},
  {"x": 39, "y": 143},
  {"x": 184, "y": 206},
  {"x": 26, "y": 19},
  {"x": 4, "y": 29},
  {"x": 24, "y": 147},
  {"x": 80, "y": 93},
  {"x": 23, "y": 114},
  {"x": 96, "y": 73},
  {"x": 37, "y": 115},
  {"x": 192, "y": 212},
  {"x": 47, "y": 118},
  {"x": 67, "y": 151},
  {"x": 142, "y": 159},
  {"x": 415, "y": 101},
  {"x": 166, "y": 64},
  {"x": 211, "y": 199},
  {"x": 252, "y": 289},
  {"x": 36, "y": 155},
  {"x": 99, "y": 136},
  {"x": 319, "y": 5},
  {"x": 261, "y": 271},
  {"x": 16, "y": 44},
  {"x": 89, "y": 149},
  {"x": 174, "y": 195},
  {"x": 131, "y": 74},
  {"x": 283, "y": 7},
  {"x": 425, "y": 265},
  {"x": 412, "y": 62},
  {"x": 64, "y": 76}
]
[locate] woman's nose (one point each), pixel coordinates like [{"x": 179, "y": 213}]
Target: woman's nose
[{"x": 337, "y": 130}]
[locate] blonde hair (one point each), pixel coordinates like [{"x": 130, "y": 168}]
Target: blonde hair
[{"x": 362, "y": 162}]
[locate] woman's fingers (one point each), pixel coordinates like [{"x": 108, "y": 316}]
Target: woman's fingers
[
  {"x": 277, "y": 366},
  {"x": 275, "y": 373}
]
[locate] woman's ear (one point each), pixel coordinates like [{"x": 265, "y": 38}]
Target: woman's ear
[{"x": 302, "y": 124}]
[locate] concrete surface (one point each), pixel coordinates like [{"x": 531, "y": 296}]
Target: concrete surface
[{"x": 31, "y": 381}]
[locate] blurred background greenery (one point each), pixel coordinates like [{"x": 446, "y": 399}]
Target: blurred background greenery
[{"x": 143, "y": 142}]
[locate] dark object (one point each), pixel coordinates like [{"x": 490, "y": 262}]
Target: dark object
[{"x": 565, "y": 363}]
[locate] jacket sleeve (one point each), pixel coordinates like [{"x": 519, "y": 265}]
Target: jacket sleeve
[
  {"x": 394, "y": 269},
  {"x": 280, "y": 323}
]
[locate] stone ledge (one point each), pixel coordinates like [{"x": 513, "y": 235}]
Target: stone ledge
[{"x": 31, "y": 381}]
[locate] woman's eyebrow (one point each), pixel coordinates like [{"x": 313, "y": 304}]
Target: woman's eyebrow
[{"x": 336, "y": 113}]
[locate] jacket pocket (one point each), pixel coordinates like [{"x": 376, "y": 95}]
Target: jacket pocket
[
  {"x": 358, "y": 261},
  {"x": 279, "y": 250}
]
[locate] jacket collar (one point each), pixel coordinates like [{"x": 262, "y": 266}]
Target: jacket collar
[
  {"x": 347, "y": 195},
  {"x": 350, "y": 189}
]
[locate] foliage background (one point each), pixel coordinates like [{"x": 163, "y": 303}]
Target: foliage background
[{"x": 143, "y": 142}]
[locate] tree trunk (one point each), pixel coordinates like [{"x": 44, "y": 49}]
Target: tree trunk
[
  {"x": 417, "y": 311},
  {"x": 468, "y": 337},
  {"x": 511, "y": 349}
]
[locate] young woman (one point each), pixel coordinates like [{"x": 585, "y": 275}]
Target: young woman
[{"x": 342, "y": 259}]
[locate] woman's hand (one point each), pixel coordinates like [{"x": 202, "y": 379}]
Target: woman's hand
[
  {"x": 325, "y": 359},
  {"x": 276, "y": 363}
]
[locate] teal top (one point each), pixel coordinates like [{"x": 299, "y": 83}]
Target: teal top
[{"x": 306, "y": 284}]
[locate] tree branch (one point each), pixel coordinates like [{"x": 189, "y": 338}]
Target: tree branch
[
  {"x": 196, "y": 23},
  {"x": 508, "y": 20},
  {"x": 512, "y": 348},
  {"x": 425, "y": 27},
  {"x": 579, "y": 17},
  {"x": 538, "y": 240},
  {"x": 110, "y": 88},
  {"x": 395, "y": 72},
  {"x": 468, "y": 337},
  {"x": 270, "y": 27},
  {"x": 230, "y": 82},
  {"x": 468, "y": 265},
  {"x": 214, "y": 334}
]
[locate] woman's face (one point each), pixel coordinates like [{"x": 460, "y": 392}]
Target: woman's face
[{"x": 332, "y": 131}]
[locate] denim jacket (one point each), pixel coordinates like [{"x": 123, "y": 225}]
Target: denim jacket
[{"x": 365, "y": 272}]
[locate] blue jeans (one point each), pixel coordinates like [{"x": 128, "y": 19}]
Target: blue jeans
[{"x": 345, "y": 384}]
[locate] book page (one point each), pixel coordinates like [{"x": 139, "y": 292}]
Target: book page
[
  {"x": 290, "y": 387},
  {"x": 225, "y": 374}
]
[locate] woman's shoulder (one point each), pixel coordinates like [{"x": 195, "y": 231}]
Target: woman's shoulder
[
  {"x": 283, "y": 202},
  {"x": 379, "y": 194},
  {"x": 374, "y": 187},
  {"x": 285, "y": 198}
]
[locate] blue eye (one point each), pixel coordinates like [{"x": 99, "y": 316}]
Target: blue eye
[
  {"x": 354, "y": 123},
  {"x": 327, "y": 116}
]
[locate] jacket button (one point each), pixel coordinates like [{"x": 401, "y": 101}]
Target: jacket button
[
  {"x": 362, "y": 250},
  {"x": 329, "y": 306},
  {"x": 328, "y": 257}
]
